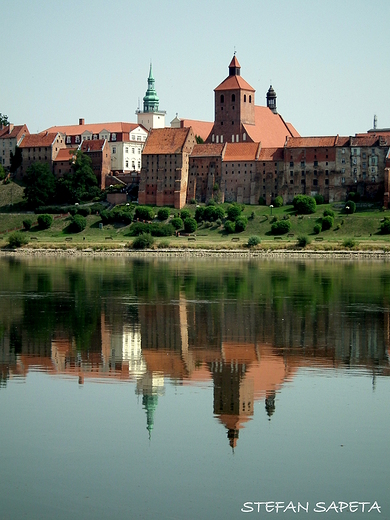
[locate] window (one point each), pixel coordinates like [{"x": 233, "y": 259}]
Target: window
[
  {"x": 244, "y": 136},
  {"x": 326, "y": 181},
  {"x": 113, "y": 137},
  {"x": 302, "y": 164},
  {"x": 354, "y": 160},
  {"x": 237, "y": 138},
  {"x": 291, "y": 181},
  {"x": 127, "y": 149},
  {"x": 315, "y": 182},
  {"x": 114, "y": 149},
  {"x": 244, "y": 98},
  {"x": 221, "y": 138},
  {"x": 233, "y": 98},
  {"x": 133, "y": 150},
  {"x": 139, "y": 138},
  {"x": 217, "y": 139},
  {"x": 343, "y": 161},
  {"x": 139, "y": 164},
  {"x": 250, "y": 99},
  {"x": 77, "y": 139},
  {"x": 315, "y": 163},
  {"x": 315, "y": 172},
  {"x": 127, "y": 163},
  {"x": 68, "y": 139},
  {"x": 222, "y": 98},
  {"x": 343, "y": 179},
  {"x": 291, "y": 164},
  {"x": 364, "y": 155},
  {"x": 95, "y": 137},
  {"x": 233, "y": 138}
]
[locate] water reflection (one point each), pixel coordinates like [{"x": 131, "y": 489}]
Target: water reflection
[{"x": 244, "y": 327}]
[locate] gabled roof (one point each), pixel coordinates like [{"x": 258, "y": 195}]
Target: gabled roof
[
  {"x": 96, "y": 128},
  {"x": 42, "y": 139},
  {"x": 166, "y": 140},
  {"x": 241, "y": 152},
  {"x": 311, "y": 142},
  {"x": 200, "y": 128},
  {"x": 270, "y": 129},
  {"x": 93, "y": 145},
  {"x": 64, "y": 155},
  {"x": 207, "y": 150},
  {"x": 6, "y": 134},
  {"x": 271, "y": 154},
  {"x": 234, "y": 83}
]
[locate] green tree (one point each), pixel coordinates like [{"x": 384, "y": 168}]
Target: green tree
[
  {"x": 16, "y": 159},
  {"x": 3, "y": 120},
  {"x": 234, "y": 211},
  {"x": 40, "y": 185},
  {"x": 3, "y": 173},
  {"x": 199, "y": 140},
  {"x": 304, "y": 204}
]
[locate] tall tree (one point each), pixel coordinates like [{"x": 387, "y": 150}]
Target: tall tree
[
  {"x": 40, "y": 185},
  {"x": 3, "y": 120},
  {"x": 79, "y": 185}
]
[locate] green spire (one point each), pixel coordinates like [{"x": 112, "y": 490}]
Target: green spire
[
  {"x": 149, "y": 403},
  {"x": 151, "y": 100}
]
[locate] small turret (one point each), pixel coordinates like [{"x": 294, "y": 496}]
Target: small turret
[{"x": 271, "y": 100}]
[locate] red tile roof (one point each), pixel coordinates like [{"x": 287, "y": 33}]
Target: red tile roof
[
  {"x": 270, "y": 129},
  {"x": 311, "y": 142},
  {"x": 234, "y": 63},
  {"x": 96, "y": 128},
  {"x": 200, "y": 128},
  {"x": 207, "y": 150},
  {"x": 93, "y": 145},
  {"x": 43, "y": 139},
  {"x": 234, "y": 83},
  {"x": 271, "y": 154},
  {"x": 64, "y": 155},
  {"x": 241, "y": 152},
  {"x": 166, "y": 140},
  {"x": 6, "y": 134}
]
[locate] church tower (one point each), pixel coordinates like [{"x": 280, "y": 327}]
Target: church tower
[
  {"x": 271, "y": 100},
  {"x": 151, "y": 116}
]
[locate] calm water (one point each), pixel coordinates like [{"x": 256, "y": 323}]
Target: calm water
[{"x": 186, "y": 389}]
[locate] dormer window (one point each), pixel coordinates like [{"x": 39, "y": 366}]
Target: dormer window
[{"x": 113, "y": 137}]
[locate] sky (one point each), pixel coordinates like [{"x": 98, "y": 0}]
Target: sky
[{"x": 326, "y": 59}]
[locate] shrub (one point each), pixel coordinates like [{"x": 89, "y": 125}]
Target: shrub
[
  {"x": 77, "y": 224},
  {"x": 281, "y": 227},
  {"x": 143, "y": 241},
  {"x": 327, "y": 223},
  {"x": 241, "y": 223},
  {"x": 104, "y": 215},
  {"x": 199, "y": 212},
  {"x": 17, "y": 239},
  {"x": 354, "y": 196},
  {"x": 121, "y": 214},
  {"x": 230, "y": 226},
  {"x": 144, "y": 213},
  {"x": 209, "y": 213},
  {"x": 218, "y": 222},
  {"x": 163, "y": 214},
  {"x": 385, "y": 227},
  {"x": 177, "y": 223},
  {"x": 154, "y": 229},
  {"x": 190, "y": 225},
  {"x": 45, "y": 221},
  {"x": 185, "y": 213},
  {"x": 212, "y": 202},
  {"x": 337, "y": 227},
  {"x": 84, "y": 211},
  {"x": 317, "y": 229},
  {"x": 303, "y": 240},
  {"x": 261, "y": 201},
  {"x": 274, "y": 219},
  {"x": 193, "y": 201},
  {"x": 349, "y": 243},
  {"x": 253, "y": 241},
  {"x": 328, "y": 213},
  {"x": 219, "y": 213},
  {"x": 27, "y": 223},
  {"x": 72, "y": 210},
  {"x": 164, "y": 244},
  {"x": 252, "y": 215},
  {"x": 233, "y": 211},
  {"x": 319, "y": 199},
  {"x": 304, "y": 204},
  {"x": 278, "y": 201},
  {"x": 350, "y": 207}
]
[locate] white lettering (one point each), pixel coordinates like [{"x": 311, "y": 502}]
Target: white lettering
[
  {"x": 269, "y": 506},
  {"x": 290, "y": 506},
  {"x": 343, "y": 505},
  {"x": 376, "y": 506},
  {"x": 363, "y": 504},
  {"x": 300, "y": 506},
  {"x": 259, "y": 504},
  {"x": 321, "y": 505},
  {"x": 353, "y": 506},
  {"x": 279, "y": 505},
  {"x": 333, "y": 506},
  {"x": 249, "y": 507}
]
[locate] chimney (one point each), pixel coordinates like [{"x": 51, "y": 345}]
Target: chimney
[
  {"x": 10, "y": 128},
  {"x": 81, "y": 121}
]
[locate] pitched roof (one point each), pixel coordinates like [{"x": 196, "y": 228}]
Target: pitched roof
[
  {"x": 166, "y": 140},
  {"x": 234, "y": 83},
  {"x": 64, "y": 155},
  {"x": 241, "y": 152},
  {"x": 42, "y": 139},
  {"x": 6, "y": 134},
  {"x": 270, "y": 129},
  {"x": 311, "y": 142},
  {"x": 200, "y": 128},
  {"x": 93, "y": 145},
  {"x": 96, "y": 128},
  {"x": 207, "y": 150},
  {"x": 234, "y": 63},
  {"x": 271, "y": 154}
]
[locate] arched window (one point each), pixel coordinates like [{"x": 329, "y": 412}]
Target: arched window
[
  {"x": 244, "y": 98},
  {"x": 233, "y": 98},
  {"x": 222, "y": 98},
  {"x": 250, "y": 99}
]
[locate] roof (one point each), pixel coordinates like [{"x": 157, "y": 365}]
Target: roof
[
  {"x": 234, "y": 83},
  {"x": 6, "y": 134},
  {"x": 207, "y": 150},
  {"x": 166, "y": 140},
  {"x": 234, "y": 63},
  {"x": 271, "y": 154},
  {"x": 311, "y": 142},
  {"x": 96, "y": 128},
  {"x": 200, "y": 128},
  {"x": 270, "y": 129},
  {"x": 64, "y": 155},
  {"x": 42, "y": 139},
  {"x": 241, "y": 152},
  {"x": 93, "y": 145}
]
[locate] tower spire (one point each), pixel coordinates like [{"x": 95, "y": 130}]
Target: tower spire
[{"x": 151, "y": 99}]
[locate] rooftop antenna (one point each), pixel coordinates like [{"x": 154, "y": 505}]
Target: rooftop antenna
[
  {"x": 235, "y": 50},
  {"x": 375, "y": 122}
]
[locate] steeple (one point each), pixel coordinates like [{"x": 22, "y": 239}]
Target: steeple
[
  {"x": 234, "y": 67},
  {"x": 151, "y": 99},
  {"x": 271, "y": 100}
]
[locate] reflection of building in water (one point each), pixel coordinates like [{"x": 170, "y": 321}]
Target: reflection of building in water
[{"x": 150, "y": 386}]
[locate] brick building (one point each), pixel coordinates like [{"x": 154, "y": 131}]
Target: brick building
[
  {"x": 43, "y": 148},
  {"x": 99, "y": 152},
  {"x": 10, "y": 137}
]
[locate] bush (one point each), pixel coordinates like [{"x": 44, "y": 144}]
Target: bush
[
  {"x": 233, "y": 211},
  {"x": 193, "y": 201},
  {"x": 253, "y": 241},
  {"x": 143, "y": 241},
  {"x": 199, "y": 212},
  {"x": 154, "y": 229},
  {"x": 329, "y": 213},
  {"x": 163, "y": 214},
  {"x": 207, "y": 224},
  {"x": 385, "y": 227},
  {"x": 209, "y": 213},
  {"x": 144, "y": 213},
  {"x": 349, "y": 243},
  {"x": 219, "y": 213},
  {"x": 230, "y": 226},
  {"x": 190, "y": 225},
  {"x": 317, "y": 229},
  {"x": 218, "y": 222},
  {"x": 17, "y": 239},
  {"x": 241, "y": 224},
  {"x": 281, "y": 227},
  {"x": 303, "y": 240},
  {"x": 304, "y": 204},
  {"x": 354, "y": 196},
  {"x": 261, "y": 201},
  {"x": 45, "y": 221},
  {"x": 105, "y": 216},
  {"x": 27, "y": 223},
  {"x": 72, "y": 210},
  {"x": 185, "y": 213},
  {"x": 327, "y": 223},
  {"x": 77, "y": 224},
  {"x": 319, "y": 199},
  {"x": 121, "y": 214},
  {"x": 84, "y": 211},
  {"x": 278, "y": 202},
  {"x": 212, "y": 202},
  {"x": 164, "y": 244},
  {"x": 350, "y": 207},
  {"x": 177, "y": 223}
]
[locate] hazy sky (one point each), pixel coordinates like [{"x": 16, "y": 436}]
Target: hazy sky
[{"x": 327, "y": 60}]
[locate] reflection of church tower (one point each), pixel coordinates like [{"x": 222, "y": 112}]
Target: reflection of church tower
[
  {"x": 149, "y": 402},
  {"x": 151, "y": 385},
  {"x": 233, "y": 397},
  {"x": 151, "y": 116},
  {"x": 270, "y": 404}
]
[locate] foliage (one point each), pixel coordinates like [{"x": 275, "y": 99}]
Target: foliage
[
  {"x": 3, "y": 173},
  {"x": 190, "y": 225},
  {"x": 261, "y": 201},
  {"x": 164, "y": 244},
  {"x": 241, "y": 223},
  {"x": 3, "y": 120},
  {"x": 327, "y": 223},
  {"x": 230, "y": 226},
  {"x": 185, "y": 213},
  {"x": 319, "y": 199},
  {"x": 385, "y": 227},
  {"x": 281, "y": 227},
  {"x": 303, "y": 240},
  {"x": 143, "y": 241},
  {"x": 177, "y": 223},
  {"x": 349, "y": 243},
  {"x": 253, "y": 241},
  {"x": 27, "y": 223},
  {"x": 17, "y": 239},
  {"x": 40, "y": 185},
  {"x": 84, "y": 211},
  {"x": 163, "y": 214},
  {"x": 199, "y": 140},
  {"x": 45, "y": 221},
  {"x": 304, "y": 204},
  {"x": 218, "y": 222},
  {"x": 199, "y": 212},
  {"x": 350, "y": 207},
  {"x": 354, "y": 196},
  {"x": 329, "y": 213},
  {"x": 16, "y": 159},
  {"x": 77, "y": 224},
  {"x": 144, "y": 213},
  {"x": 317, "y": 229},
  {"x": 81, "y": 184},
  {"x": 193, "y": 201},
  {"x": 278, "y": 202},
  {"x": 233, "y": 211},
  {"x": 155, "y": 229}
]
